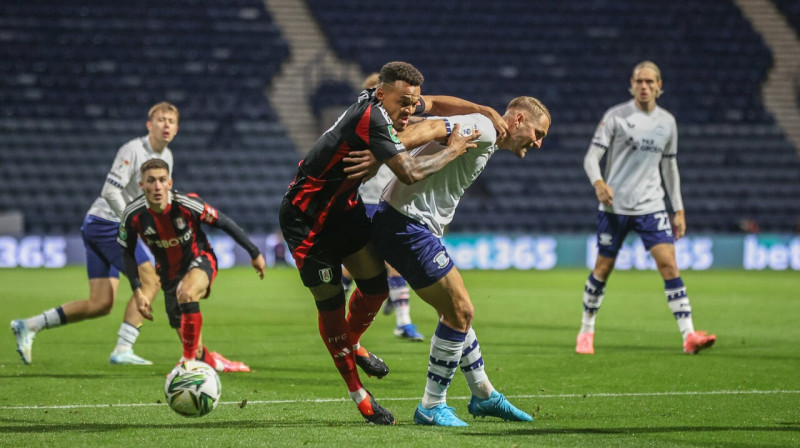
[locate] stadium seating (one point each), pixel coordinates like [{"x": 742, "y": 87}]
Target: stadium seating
[
  {"x": 77, "y": 81},
  {"x": 576, "y": 57}
]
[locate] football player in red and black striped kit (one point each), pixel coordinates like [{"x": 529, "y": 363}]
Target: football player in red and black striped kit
[
  {"x": 324, "y": 222},
  {"x": 169, "y": 223}
]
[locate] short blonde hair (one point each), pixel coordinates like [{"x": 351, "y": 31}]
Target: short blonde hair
[
  {"x": 371, "y": 81},
  {"x": 163, "y": 107},
  {"x": 531, "y": 105},
  {"x": 652, "y": 66}
]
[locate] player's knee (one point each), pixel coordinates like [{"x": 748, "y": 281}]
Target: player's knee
[
  {"x": 184, "y": 296},
  {"x": 465, "y": 312},
  {"x": 375, "y": 286},
  {"x": 102, "y": 308}
]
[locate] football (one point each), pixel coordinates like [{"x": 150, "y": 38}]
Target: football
[{"x": 193, "y": 389}]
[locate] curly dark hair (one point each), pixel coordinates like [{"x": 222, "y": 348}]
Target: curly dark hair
[{"x": 400, "y": 71}]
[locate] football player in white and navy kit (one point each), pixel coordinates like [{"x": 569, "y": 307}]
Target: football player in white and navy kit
[
  {"x": 640, "y": 142},
  {"x": 406, "y": 232},
  {"x": 103, "y": 253}
]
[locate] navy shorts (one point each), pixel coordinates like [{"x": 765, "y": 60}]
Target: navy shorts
[
  {"x": 612, "y": 229},
  {"x": 371, "y": 209},
  {"x": 409, "y": 247},
  {"x": 206, "y": 262},
  {"x": 318, "y": 250},
  {"x": 103, "y": 252}
]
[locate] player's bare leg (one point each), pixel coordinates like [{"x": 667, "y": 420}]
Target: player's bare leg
[{"x": 99, "y": 303}]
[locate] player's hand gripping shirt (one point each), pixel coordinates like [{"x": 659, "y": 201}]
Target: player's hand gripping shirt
[
  {"x": 635, "y": 143},
  {"x": 433, "y": 200},
  {"x": 125, "y": 175},
  {"x": 321, "y": 187}
]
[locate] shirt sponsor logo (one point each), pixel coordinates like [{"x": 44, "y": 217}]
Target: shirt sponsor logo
[
  {"x": 441, "y": 259},
  {"x": 468, "y": 130},
  {"x": 173, "y": 242},
  {"x": 326, "y": 275}
]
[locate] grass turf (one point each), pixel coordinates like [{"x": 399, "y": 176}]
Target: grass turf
[{"x": 639, "y": 389}]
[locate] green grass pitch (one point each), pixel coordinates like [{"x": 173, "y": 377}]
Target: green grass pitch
[{"x": 639, "y": 389}]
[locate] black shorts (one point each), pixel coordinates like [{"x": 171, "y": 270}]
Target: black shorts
[
  {"x": 207, "y": 263},
  {"x": 318, "y": 250}
]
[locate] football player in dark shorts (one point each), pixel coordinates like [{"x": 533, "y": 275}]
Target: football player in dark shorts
[
  {"x": 169, "y": 223},
  {"x": 324, "y": 222}
]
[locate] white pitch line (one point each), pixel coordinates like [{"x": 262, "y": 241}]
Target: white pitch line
[{"x": 334, "y": 400}]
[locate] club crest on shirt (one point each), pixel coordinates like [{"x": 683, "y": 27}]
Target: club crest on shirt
[
  {"x": 605, "y": 239},
  {"x": 326, "y": 275},
  {"x": 441, "y": 259},
  {"x": 210, "y": 214},
  {"x": 180, "y": 223}
]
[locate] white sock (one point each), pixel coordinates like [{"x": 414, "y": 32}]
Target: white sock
[
  {"x": 126, "y": 338},
  {"x": 678, "y": 302},
  {"x": 471, "y": 364},
  {"x": 593, "y": 293},
  {"x": 51, "y": 318},
  {"x": 399, "y": 294},
  {"x": 359, "y": 395},
  {"x": 446, "y": 347}
]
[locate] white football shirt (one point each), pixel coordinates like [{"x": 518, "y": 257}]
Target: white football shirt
[
  {"x": 125, "y": 175},
  {"x": 370, "y": 191},
  {"x": 635, "y": 142},
  {"x": 433, "y": 200}
]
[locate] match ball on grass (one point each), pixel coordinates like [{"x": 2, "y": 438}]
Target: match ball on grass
[{"x": 193, "y": 389}]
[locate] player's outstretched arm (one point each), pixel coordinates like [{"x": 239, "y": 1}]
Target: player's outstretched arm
[
  {"x": 444, "y": 106},
  {"x": 413, "y": 169},
  {"x": 365, "y": 165},
  {"x": 230, "y": 227}
]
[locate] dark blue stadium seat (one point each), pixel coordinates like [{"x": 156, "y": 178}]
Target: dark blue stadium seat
[
  {"x": 577, "y": 56},
  {"x": 77, "y": 81}
]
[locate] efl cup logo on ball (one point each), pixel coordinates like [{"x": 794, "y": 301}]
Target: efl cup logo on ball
[{"x": 193, "y": 389}]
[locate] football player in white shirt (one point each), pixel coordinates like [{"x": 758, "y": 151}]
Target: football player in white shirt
[
  {"x": 406, "y": 231},
  {"x": 638, "y": 137},
  {"x": 103, "y": 254}
]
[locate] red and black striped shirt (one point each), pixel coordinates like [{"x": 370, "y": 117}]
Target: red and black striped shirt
[
  {"x": 321, "y": 187},
  {"x": 174, "y": 236}
]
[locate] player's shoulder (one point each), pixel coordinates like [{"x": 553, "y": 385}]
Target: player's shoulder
[
  {"x": 621, "y": 109},
  {"x": 134, "y": 207},
  {"x": 664, "y": 114},
  {"x": 189, "y": 200},
  {"x": 133, "y": 145}
]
